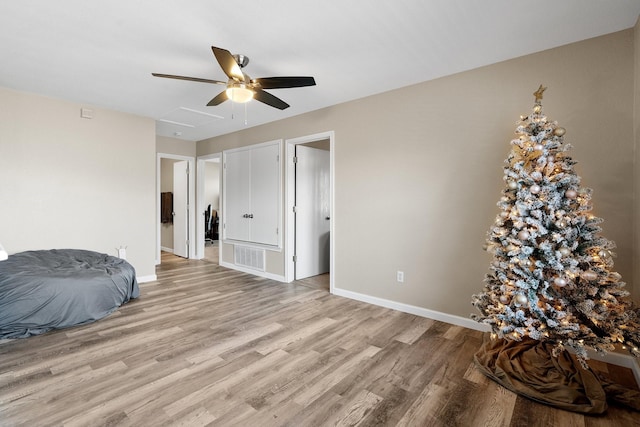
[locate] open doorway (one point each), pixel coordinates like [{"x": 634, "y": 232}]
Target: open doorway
[
  {"x": 175, "y": 231},
  {"x": 209, "y": 208},
  {"x": 310, "y": 180},
  {"x": 312, "y": 210}
]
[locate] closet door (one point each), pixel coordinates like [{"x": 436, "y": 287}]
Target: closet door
[
  {"x": 237, "y": 195},
  {"x": 252, "y": 194},
  {"x": 265, "y": 189}
]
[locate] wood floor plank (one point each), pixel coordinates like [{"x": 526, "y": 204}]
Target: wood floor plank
[
  {"x": 332, "y": 376},
  {"x": 422, "y": 410},
  {"x": 221, "y": 385},
  {"x": 208, "y": 346},
  {"x": 417, "y": 327},
  {"x": 282, "y": 341}
]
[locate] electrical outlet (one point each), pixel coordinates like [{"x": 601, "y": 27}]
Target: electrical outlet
[
  {"x": 122, "y": 252},
  {"x": 400, "y": 276}
]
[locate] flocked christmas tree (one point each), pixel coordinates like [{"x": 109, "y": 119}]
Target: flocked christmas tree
[{"x": 551, "y": 278}]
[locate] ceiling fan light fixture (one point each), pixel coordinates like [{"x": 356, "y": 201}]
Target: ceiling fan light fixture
[
  {"x": 240, "y": 87},
  {"x": 238, "y": 92}
]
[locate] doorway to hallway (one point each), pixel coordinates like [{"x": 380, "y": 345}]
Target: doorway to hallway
[{"x": 209, "y": 207}]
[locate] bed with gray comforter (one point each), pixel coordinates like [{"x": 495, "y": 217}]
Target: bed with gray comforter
[{"x": 53, "y": 289}]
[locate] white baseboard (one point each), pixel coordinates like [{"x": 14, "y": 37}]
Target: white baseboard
[
  {"x": 264, "y": 274},
  {"x": 170, "y": 250},
  {"x": 412, "y": 309},
  {"x": 618, "y": 359},
  {"x": 150, "y": 278}
]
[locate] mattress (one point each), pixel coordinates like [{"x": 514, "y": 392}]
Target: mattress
[{"x": 52, "y": 289}]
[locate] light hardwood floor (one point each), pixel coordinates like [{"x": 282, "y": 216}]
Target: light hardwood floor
[
  {"x": 211, "y": 251},
  {"x": 204, "y": 345}
]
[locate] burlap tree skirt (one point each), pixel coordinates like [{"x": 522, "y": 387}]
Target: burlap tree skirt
[{"x": 527, "y": 367}]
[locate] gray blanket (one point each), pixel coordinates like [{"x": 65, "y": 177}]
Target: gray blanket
[{"x": 51, "y": 289}]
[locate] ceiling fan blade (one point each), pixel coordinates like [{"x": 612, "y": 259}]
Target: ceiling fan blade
[
  {"x": 228, "y": 63},
  {"x": 267, "y": 98},
  {"x": 219, "y": 99},
  {"x": 191, "y": 79},
  {"x": 284, "y": 82}
]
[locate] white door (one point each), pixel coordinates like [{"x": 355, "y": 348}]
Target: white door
[
  {"x": 252, "y": 194},
  {"x": 265, "y": 191},
  {"x": 237, "y": 195},
  {"x": 312, "y": 212},
  {"x": 181, "y": 209}
]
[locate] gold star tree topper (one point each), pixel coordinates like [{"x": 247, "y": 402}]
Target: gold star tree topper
[{"x": 538, "y": 93}]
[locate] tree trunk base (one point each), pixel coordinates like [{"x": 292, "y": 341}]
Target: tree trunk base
[{"x": 528, "y": 368}]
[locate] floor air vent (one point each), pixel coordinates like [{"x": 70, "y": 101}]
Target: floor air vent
[{"x": 249, "y": 257}]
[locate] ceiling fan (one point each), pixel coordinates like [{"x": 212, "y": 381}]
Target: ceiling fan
[{"x": 240, "y": 87}]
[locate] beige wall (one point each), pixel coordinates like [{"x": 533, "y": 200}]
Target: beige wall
[
  {"x": 175, "y": 146},
  {"x": 418, "y": 171},
  {"x": 69, "y": 182}
]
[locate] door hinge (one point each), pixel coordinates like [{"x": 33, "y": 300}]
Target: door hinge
[
  {"x": 277, "y": 231},
  {"x": 295, "y": 258},
  {"x": 295, "y": 159},
  {"x": 295, "y": 209}
]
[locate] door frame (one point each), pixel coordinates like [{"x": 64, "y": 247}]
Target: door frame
[
  {"x": 191, "y": 195},
  {"x": 290, "y": 195},
  {"x": 200, "y": 176}
]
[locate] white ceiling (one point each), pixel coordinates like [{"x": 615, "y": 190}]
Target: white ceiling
[{"x": 103, "y": 53}]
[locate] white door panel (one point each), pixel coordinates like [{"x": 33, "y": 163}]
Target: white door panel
[
  {"x": 237, "y": 178},
  {"x": 265, "y": 186},
  {"x": 180, "y": 209},
  {"x": 312, "y": 212}
]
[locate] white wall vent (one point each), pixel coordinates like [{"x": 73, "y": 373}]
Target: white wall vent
[{"x": 249, "y": 257}]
